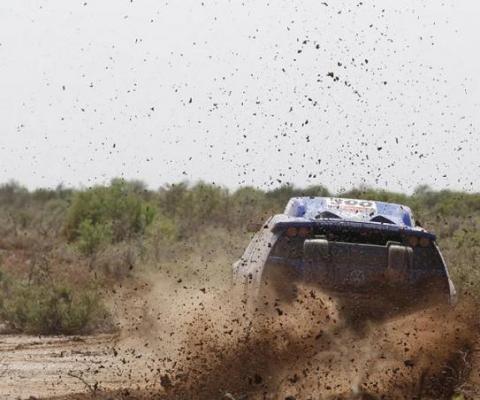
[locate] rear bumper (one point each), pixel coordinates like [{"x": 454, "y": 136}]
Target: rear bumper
[{"x": 411, "y": 287}]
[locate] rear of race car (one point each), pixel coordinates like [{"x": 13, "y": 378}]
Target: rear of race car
[
  {"x": 348, "y": 248},
  {"x": 346, "y": 258}
]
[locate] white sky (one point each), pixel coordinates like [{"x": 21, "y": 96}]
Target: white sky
[{"x": 95, "y": 89}]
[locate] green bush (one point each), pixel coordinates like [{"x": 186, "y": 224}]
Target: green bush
[
  {"x": 117, "y": 208},
  {"x": 248, "y": 205},
  {"x": 92, "y": 237},
  {"x": 194, "y": 207},
  {"x": 49, "y": 308},
  {"x": 164, "y": 229},
  {"x": 13, "y": 194},
  {"x": 161, "y": 235}
]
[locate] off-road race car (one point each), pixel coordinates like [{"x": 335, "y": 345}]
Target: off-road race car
[{"x": 351, "y": 249}]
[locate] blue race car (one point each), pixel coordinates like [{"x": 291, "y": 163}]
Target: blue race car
[{"x": 355, "y": 249}]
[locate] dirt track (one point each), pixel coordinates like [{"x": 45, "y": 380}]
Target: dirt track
[
  {"x": 188, "y": 342},
  {"x": 44, "y": 366},
  {"x": 55, "y": 366}
]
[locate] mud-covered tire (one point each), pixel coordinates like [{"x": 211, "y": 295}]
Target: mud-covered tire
[{"x": 275, "y": 290}]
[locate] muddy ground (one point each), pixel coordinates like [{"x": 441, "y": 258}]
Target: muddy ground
[{"x": 179, "y": 341}]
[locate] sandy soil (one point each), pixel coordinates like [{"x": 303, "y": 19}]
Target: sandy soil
[
  {"x": 42, "y": 366},
  {"x": 53, "y": 366}
]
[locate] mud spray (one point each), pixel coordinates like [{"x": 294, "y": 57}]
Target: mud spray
[
  {"x": 308, "y": 351},
  {"x": 205, "y": 345}
]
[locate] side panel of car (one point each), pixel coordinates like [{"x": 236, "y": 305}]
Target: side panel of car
[{"x": 249, "y": 269}]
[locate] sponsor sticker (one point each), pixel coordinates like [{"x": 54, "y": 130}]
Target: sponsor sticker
[{"x": 351, "y": 208}]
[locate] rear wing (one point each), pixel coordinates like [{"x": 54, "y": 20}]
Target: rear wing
[{"x": 343, "y": 225}]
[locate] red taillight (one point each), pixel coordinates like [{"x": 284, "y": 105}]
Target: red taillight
[
  {"x": 304, "y": 232},
  {"x": 292, "y": 231},
  {"x": 413, "y": 241},
  {"x": 424, "y": 242}
]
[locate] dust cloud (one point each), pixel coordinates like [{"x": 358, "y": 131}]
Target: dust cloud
[
  {"x": 307, "y": 350},
  {"x": 207, "y": 345},
  {"x": 198, "y": 339}
]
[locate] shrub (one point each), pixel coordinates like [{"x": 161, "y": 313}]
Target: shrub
[
  {"x": 118, "y": 260},
  {"x": 163, "y": 228},
  {"x": 91, "y": 237},
  {"x": 161, "y": 234},
  {"x": 49, "y": 308},
  {"x": 117, "y": 206},
  {"x": 248, "y": 205},
  {"x": 280, "y": 196},
  {"x": 13, "y": 194},
  {"x": 204, "y": 204},
  {"x": 196, "y": 206},
  {"x": 170, "y": 196}
]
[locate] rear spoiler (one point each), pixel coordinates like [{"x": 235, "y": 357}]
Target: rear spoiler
[{"x": 339, "y": 225}]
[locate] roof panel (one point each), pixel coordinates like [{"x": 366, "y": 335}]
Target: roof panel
[{"x": 349, "y": 209}]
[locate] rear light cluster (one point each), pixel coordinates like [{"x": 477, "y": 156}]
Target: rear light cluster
[
  {"x": 302, "y": 232},
  {"x": 415, "y": 241}
]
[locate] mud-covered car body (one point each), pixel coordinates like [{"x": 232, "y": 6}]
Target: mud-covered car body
[{"x": 347, "y": 246}]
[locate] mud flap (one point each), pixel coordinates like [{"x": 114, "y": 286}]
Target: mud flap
[
  {"x": 316, "y": 255},
  {"x": 400, "y": 261}
]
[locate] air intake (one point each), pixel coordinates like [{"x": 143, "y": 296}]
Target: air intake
[
  {"x": 382, "y": 220},
  {"x": 327, "y": 215}
]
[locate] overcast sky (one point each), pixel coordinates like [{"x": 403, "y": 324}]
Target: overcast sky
[{"x": 340, "y": 93}]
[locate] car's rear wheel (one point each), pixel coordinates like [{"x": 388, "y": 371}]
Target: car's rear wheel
[{"x": 277, "y": 289}]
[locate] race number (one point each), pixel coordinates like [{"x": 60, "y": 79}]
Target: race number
[{"x": 355, "y": 209}]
